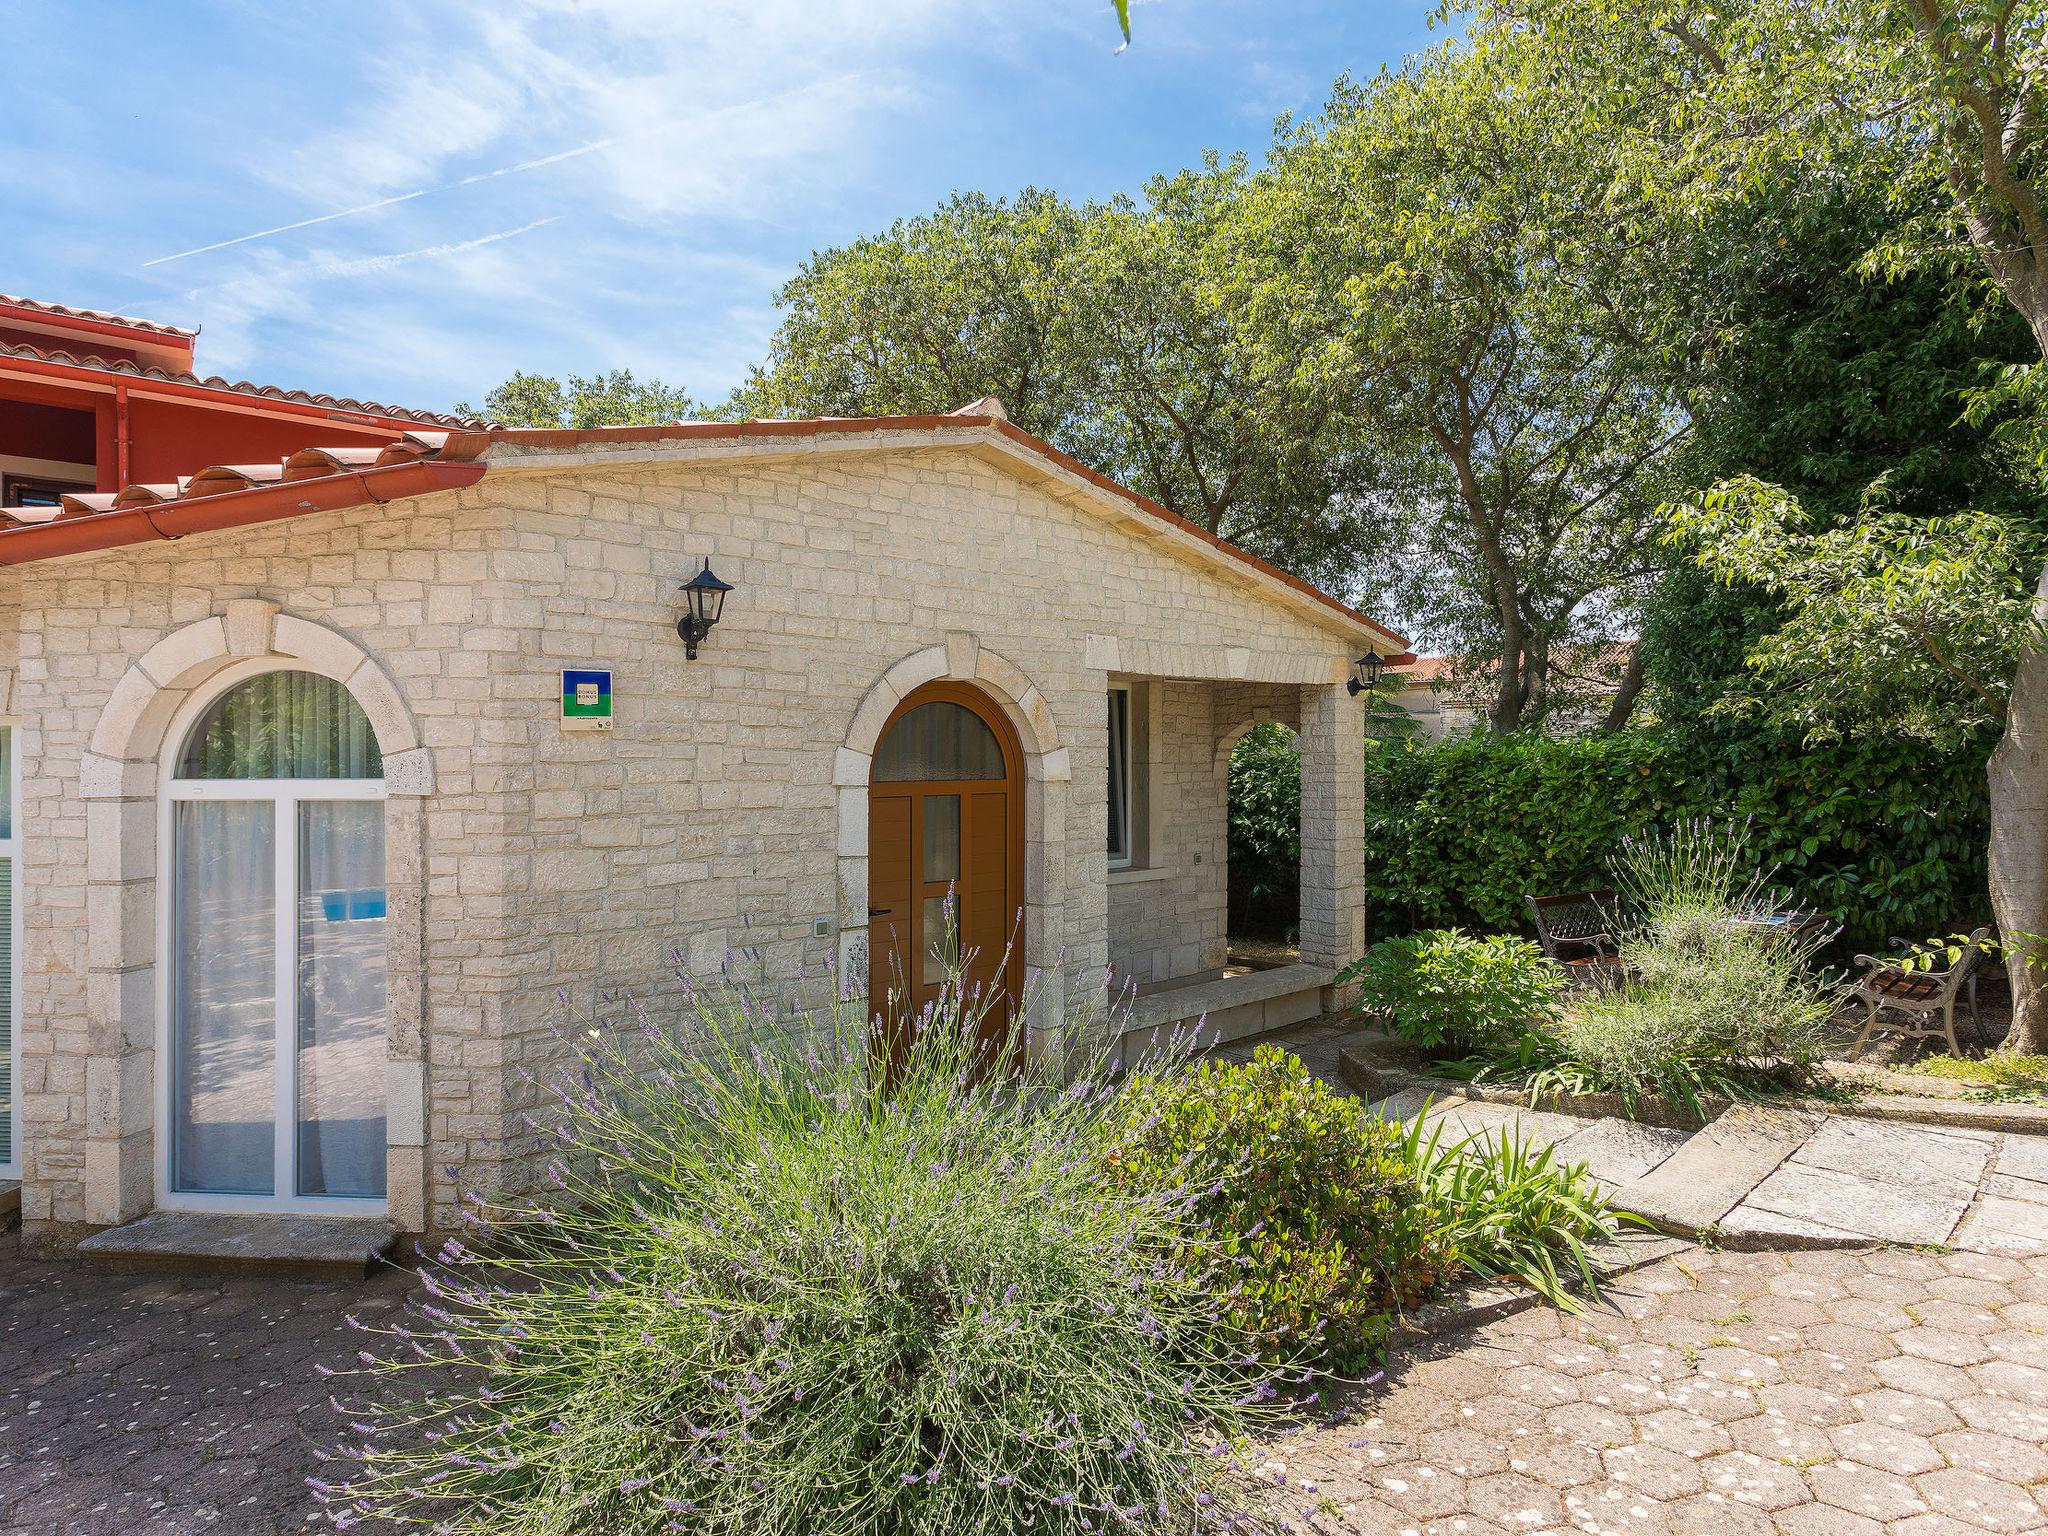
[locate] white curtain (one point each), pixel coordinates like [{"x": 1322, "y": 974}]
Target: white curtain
[{"x": 224, "y": 996}]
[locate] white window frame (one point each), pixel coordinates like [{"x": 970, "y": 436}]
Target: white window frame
[
  {"x": 1120, "y": 772},
  {"x": 10, "y": 849},
  {"x": 287, "y": 796}
]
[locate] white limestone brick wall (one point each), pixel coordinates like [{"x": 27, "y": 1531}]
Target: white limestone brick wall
[{"x": 716, "y": 816}]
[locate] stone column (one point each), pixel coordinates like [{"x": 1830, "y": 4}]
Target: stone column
[{"x": 1332, "y": 826}]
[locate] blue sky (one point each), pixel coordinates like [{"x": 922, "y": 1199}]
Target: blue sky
[{"x": 441, "y": 192}]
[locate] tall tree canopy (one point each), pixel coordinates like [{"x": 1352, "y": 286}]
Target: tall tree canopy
[
  {"x": 1099, "y": 327},
  {"x": 1945, "y": 99},
  {"x": 1435, "y": 262}
]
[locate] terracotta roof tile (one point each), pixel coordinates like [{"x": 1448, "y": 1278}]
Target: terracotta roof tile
[
  {"x": 226, "y": 479},
  {"x": 66, "y": 312},
  {"x": 393, "y": 413}
]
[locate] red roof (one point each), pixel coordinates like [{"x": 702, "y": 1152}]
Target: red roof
[
  {"x": 327, "y": 479},
  {"x": 66, "y": 312},
  {"x": 24, "y": 352}
]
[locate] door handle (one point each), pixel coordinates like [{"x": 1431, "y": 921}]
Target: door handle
[{"x": 880, "y": 911}]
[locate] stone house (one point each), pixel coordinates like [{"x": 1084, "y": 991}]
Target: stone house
[{"x": 333, "y": 773}]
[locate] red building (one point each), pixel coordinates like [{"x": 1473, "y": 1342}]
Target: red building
[{"x": 95, "y": 402}]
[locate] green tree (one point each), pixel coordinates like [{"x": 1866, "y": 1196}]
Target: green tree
[
  {"x": 1100, "y": 328},
  {"x": 1719, "y": 97},
  {"x": 1434, "y": 260},
  {"x": 607, "y": 400}
]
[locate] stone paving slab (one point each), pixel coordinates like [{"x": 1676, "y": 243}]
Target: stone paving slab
[
  {"x": 1998, "y": 1224},
  {"x": 303, "y": 1247},
  {"x": 1897, "y": 1154},
  {"x": 1803, "y": 1198},
  {"x": 1707, "y": 1177},
  {"x": 1867, "y": 1179},
  {"x": 1617, "y": 1152}
]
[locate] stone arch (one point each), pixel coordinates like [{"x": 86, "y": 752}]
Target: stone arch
[
  {"x": 1236, "y": 719},
  {"x": 131, "y": 730},
  {"x": 119, "y": 778},
  {"x": 1048, "y": 770}
]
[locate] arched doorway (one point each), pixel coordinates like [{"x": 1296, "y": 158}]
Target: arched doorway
[{"x": 945, "y": 821}]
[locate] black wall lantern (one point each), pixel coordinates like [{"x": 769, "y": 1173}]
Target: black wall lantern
[
  {"x": 704, "y": 601},
  {"x": 1365, "y": 672}
]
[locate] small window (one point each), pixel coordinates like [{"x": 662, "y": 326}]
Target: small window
[
  {"x": 283, "y": 725},
  {"x": 941, "y": 743},
  {"x": 1119, "y": 778}
]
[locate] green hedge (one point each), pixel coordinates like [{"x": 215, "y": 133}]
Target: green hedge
[{"x": 1886, "y": 836}]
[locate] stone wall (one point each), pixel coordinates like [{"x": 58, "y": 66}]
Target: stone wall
[{"x": 723, "y": 814}]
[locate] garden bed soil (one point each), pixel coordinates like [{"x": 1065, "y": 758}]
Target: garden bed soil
[{"x": 1376, "y": 1066}]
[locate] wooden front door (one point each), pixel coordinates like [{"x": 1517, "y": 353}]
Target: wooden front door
[{"x": 945, "y": 856}]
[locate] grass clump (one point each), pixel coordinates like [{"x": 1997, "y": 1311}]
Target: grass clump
[
  {"x": 765, "y": 1294},
  {"x": 1716, "y": 1012},
  {"x": 1310, "y": 1201},
  {"x": 1508, "y": 1210},
  {"x": 2001, "y": 1075},
  {"x": 1718, "y": 995}
]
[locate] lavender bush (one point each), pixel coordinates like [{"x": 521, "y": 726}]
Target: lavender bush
[{"x": 764, "y": 1294}]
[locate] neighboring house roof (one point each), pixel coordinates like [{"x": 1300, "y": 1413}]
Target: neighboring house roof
[
  {"x": 67, "y": 312},
  {"x": 323, "y": 479},
  {"x": 1569, "y": 660},
  {"x": 56, "y": 360}
]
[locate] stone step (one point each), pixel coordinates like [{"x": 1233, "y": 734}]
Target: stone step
[
  {"x": 1713, "y": 1170},
  {"x": 283, "y": 1246},
  {"x": 1229, "y": 1007}
]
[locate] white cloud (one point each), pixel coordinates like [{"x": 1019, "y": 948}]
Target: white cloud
[{"x": 683, "y": 104}]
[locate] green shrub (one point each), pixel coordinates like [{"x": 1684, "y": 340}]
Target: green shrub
[
  {"x": 1455, "y": 992},
  {"x": 1308, "y": 1197},
  {"x": 1713, "y": 1011},
  {"x": 1510, "y": 1211},
  {"x": 1884, "y": 835},
  {"x": 1265, "y": 832},
  {"x": 1706, "y": 1008},
  {"x": 1457, "y": 834},
  {"x": 767, "y": 1295}
]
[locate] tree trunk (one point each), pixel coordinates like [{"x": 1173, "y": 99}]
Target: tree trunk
[
  {"x": 2019, "y": 840},
  {"x": 1625, "y": 696}
]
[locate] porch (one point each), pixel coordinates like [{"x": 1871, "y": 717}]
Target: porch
[{"x": 1172, "y": 726}]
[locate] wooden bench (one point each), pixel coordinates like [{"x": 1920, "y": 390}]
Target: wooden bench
[{"x": 1917, "y": 995}]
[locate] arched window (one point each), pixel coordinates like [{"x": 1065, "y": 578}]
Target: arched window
[
  {"x": 275, "y": 924},
  {"x": 283, "y": 725},
  {"x": 941, "y": 741}
]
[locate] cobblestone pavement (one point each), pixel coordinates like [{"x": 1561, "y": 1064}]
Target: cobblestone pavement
[
  {"x": 137, "y": 1406},
  {"x": 1805, "y": 1394},
  {"x": 1814, "y": 1394}
]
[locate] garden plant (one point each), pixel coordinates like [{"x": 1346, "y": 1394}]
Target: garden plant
[
  {"x": 764, "y": 1293},
  {"x": 1720, "y": 993}
]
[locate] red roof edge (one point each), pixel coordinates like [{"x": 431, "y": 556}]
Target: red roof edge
[{"x": 142, "y": 523}]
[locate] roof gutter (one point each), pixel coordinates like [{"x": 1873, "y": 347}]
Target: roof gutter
[{"x": 232, "y": 509}]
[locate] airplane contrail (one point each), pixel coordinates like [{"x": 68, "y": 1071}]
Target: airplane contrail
[{"x": 402, "y": 197}]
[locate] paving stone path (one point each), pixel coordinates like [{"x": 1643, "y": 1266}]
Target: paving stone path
[
  {"x": 1751, "y": 1394},
  {"x": 138, "y": 1406},
  {"x": 1762, "y": 1176},
  {"x": 1766, "y": 1177},
  {"x": 1808, "y": 1394}
]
